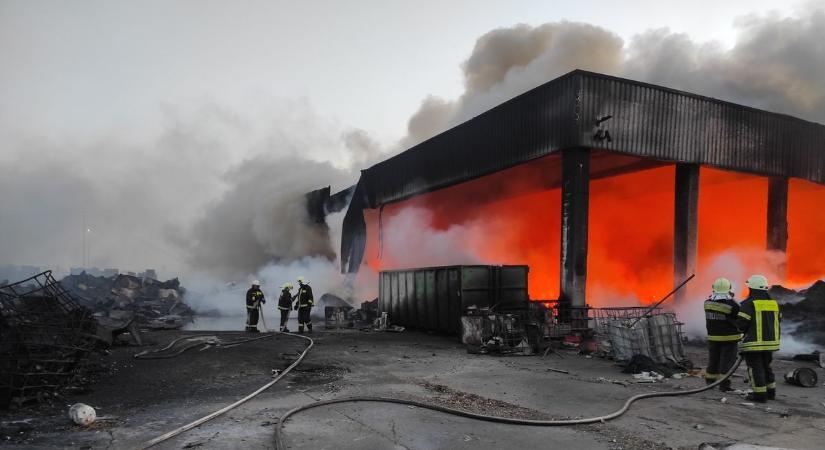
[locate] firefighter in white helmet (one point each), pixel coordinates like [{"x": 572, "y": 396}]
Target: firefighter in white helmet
[
  {"x": 304, "y": 304},
  {"x": 723, "y": 335},
  {"x": 254, "y": 300},
  {"x": 759, "y": 318},
  {"x": 285, "y": 305}
]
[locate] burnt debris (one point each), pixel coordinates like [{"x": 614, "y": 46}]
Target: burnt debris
[
  {"x": 45, "y": 338},
  {"x": 123, "y": 299}
]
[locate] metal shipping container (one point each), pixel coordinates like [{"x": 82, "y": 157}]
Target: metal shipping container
[{"x": 434, "y": 298}]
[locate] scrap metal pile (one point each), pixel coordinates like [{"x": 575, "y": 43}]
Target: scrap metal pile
[
  {"x": 45, "y": 338},
  {"x": 124, "y": 298}
]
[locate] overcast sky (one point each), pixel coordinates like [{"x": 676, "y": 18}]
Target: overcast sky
[{"x": 87, "y": 67}]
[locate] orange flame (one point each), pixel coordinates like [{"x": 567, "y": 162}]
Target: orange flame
[{"x": 513, "y": 217}]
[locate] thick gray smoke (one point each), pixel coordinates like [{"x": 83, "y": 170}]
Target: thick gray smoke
[
  {"x": 263, "y": 217},
  {"x": 777, "y": 64},
  {"x": 215, "y": 189},
  {"x": 219, "y": 190}
]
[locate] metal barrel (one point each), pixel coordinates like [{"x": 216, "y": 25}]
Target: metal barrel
[{"x": 802, "y": 376}]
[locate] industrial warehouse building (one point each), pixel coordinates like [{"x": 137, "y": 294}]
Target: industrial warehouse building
[{"x": 597, "y": 181}]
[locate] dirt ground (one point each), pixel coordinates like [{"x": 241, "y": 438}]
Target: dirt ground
[{"x": 137, "y": 400}]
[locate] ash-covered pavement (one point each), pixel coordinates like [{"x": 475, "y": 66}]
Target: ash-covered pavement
[{"x": 141, "y": 399}]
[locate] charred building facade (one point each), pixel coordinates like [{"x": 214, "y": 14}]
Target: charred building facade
[{"x": 706, "y": 174}]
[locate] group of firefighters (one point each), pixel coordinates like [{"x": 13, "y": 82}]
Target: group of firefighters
[
  {"x": 302, "y": 301},
  {"x": 750, "y": 328}
]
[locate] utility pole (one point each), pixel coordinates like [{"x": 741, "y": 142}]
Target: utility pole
[{"x": 85, "y": 228}]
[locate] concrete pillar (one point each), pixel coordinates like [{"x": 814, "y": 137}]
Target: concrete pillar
[
  {"x": 575, "y": 199},
  {"x": 778, "y": 214},
  {"x": 685, "y": 224}
]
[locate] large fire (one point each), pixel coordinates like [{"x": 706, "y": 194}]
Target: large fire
[{"x": 513, "y": 217}]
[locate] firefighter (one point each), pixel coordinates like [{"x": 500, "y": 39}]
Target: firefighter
[
  {"x": 285, "y": 305},
  {"x": 304, "y": 304},
  {"x": 723, "y": 335},
  {"x": 254, "y": 300},
  {"x": 758, "y": 319}
]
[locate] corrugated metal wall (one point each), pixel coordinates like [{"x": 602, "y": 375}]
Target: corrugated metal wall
[
  {"x": 670, "y": 125},
  {"x": 648, "y": 120},
  {"x": 529, "y": 126}
]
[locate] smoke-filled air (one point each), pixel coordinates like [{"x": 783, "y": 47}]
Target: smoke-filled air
[{"x": 215, "y": 193}]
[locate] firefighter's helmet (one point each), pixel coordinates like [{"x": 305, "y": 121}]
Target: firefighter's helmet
[
  {"x": 287, "y": 286},
  {"x": 721, "y": 286},
  {"x": 757, "y": 282},
  {"x": 256, "y": 283}
]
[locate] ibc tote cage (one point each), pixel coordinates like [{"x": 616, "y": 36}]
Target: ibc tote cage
[{"x": 45, "y": 337}]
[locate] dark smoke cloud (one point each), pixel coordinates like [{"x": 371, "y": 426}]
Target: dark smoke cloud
[{"x": 777, "y": 64}]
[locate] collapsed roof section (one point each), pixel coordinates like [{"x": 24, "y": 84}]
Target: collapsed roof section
[{"x": 590, "y": 110}]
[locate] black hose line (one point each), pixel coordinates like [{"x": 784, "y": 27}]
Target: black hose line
[{"x": 279, "y": 444}]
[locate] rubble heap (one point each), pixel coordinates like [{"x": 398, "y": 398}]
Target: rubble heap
[
  {"x": 45, "y": 338},
  {"x": 148, "y": 302},
  {"x": 806, "y": 308}
]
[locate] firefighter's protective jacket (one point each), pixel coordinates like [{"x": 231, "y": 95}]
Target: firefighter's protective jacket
[
  {"x": 285, "y": 300},
  {"x": 721, "y": 313},
  {"x": 254, "y": 297},
  {"x": 305, "y": 298},
  {"x": 758, "y": 318}
]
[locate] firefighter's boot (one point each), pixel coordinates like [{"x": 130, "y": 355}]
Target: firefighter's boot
[{"x": 758, "y": 397}]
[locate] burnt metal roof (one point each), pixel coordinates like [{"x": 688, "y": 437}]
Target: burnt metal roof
[
  {"x": 580, "y": 109},
  {"x": 647, "y": 120}
]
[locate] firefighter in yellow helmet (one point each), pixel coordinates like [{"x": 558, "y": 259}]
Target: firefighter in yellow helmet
[
  {"x": 285, "y": 305},
  {"x": 304, "y": 305},
  {"x": 758, "y": 319},
  {"x": 721, "y": 312},
  {"x": 254, "y": 300}
]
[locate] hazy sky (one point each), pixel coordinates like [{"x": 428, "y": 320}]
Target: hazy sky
[
  {"x": 151, "y": 118},
  {"x": 87, "y": 67}
]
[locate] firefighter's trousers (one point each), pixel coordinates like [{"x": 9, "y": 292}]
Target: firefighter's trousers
[
  {"x": 721, "y": 356},
  {"x": 303, "y": 318},
  {"x": 760, "y": 374},
  {"x": 284, "y": 318},
  {"x": 252, "y": 319}
]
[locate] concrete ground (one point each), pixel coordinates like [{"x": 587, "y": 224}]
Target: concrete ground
[{"x": 142, "y": 399}]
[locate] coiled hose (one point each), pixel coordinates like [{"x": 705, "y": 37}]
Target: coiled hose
[{"x": 279, "y": 444}]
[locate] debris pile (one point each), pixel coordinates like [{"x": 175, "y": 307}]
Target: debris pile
[
  {"x": 806, "y": 308},
  {"x": 45, "y": 338},
  {"x": 125, "y": 298}
]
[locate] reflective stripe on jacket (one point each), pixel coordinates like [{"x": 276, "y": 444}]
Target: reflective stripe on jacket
[
  {"x": 720, "y": 318},
  {"x": 305, "y": 298},
  {"x": 758, "y": 318},
  {"x": 254, "y": 297}
]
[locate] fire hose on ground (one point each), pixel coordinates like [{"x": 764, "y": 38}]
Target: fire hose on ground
[{"x": 279, "y": 444}]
